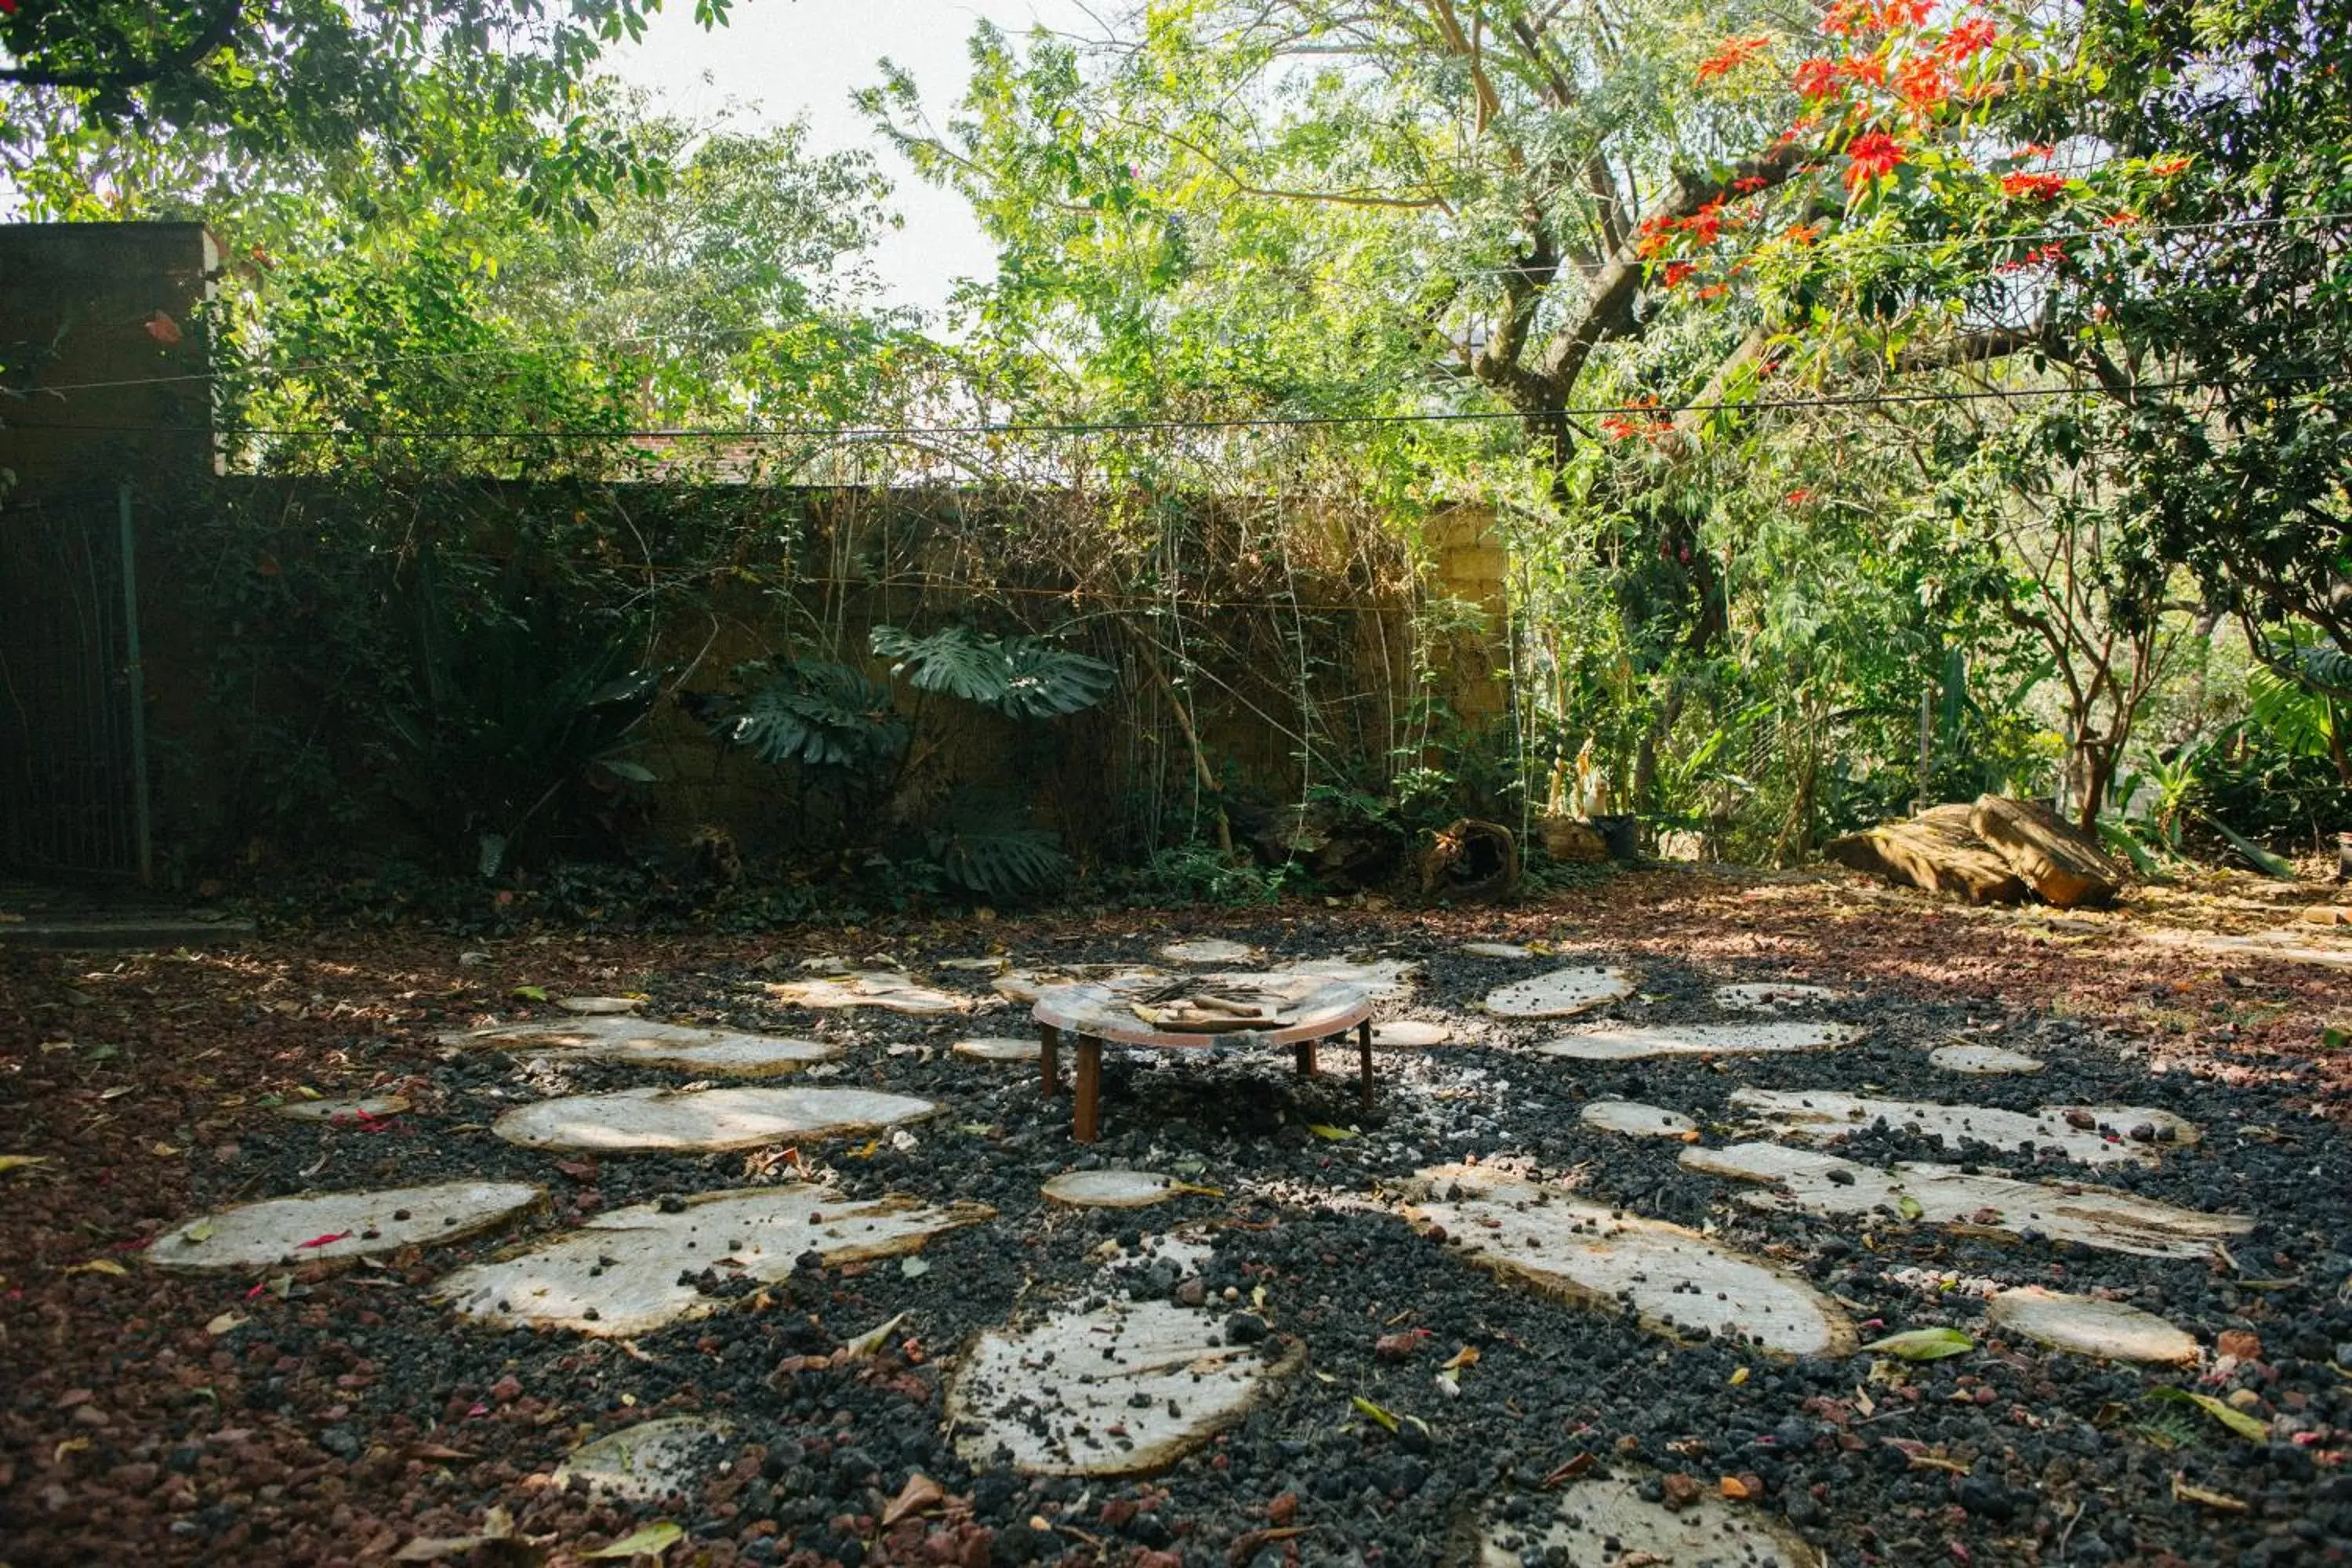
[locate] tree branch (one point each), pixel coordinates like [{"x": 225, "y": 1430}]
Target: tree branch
[{"x": 218, "y": 29}]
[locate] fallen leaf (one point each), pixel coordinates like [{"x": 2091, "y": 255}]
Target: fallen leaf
[
  {"x": 1738, "y": 1377},
  {"x": 227, "y": 1322},
  {"x": 866, "y": 1344},
  {"x": 1329, "y": 1134},
  {"x": 1467, "y": 1356},
  {"x": 2222, "y": 1501},
  {"x": 1385, "y": 1418},
  {"x": 163, "y": 1151},
  {"x": 200, "y": 1231},
  {"x": 318, "y": 1241},
  {"x": 530, "y": 992},
  {"x": 921, "y": 1492},
  {"x": 1909, "y": 1207},
  {"x": 21, "y": 1161},
  {"x": 652, "y": 1540},
  {"x": 2252, "y": 1428},
  {"x": 98, "y": 1265},
  {"x": 1923, "y": 1344}
]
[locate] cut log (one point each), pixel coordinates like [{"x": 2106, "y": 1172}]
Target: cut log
[
  {"x": 2057, "y": 859},
  {"x": 1470, "y": 861},
  {"x": 1937, "y": 851}
]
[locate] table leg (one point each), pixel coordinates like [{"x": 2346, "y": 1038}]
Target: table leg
[
  {"x": 1305, "y": 1053},
  {"x": 1364, "y": 1047},
  {"x": 1086, "y": 1125},
  {"x": 1049, "y": 1057}
]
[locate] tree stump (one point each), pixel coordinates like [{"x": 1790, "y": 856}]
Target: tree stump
[
  {"x": 1937, "y": 851},
  {"x": 2057, "y": 859}
]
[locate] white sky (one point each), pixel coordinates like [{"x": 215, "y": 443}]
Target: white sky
[{"x": 806, "y": 56}]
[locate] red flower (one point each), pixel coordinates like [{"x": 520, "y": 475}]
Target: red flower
[
  {"x": 1874, "y": 154},
  {"x": 1846, "y": 16},
  {"x": 2035, "y": 150},
  {"x": 1816, "y": 78},
  {"x": 2040, "y": 187},
  {"x": 2125, "y": 218},
  {"x": 1706, "y": 225},
  {"x": 1868, "y": 68},
  {"x": 1971, "y": 37},
  {"x": 1799, "y": 498},
  {"x": 1731, "y": 55},
  {"x": 1905, "y": 13},
  {"x": 1922, "y": 84},
  {"x": 1677, "y": 271},
  {"x": 1803, "y": 232},
  {"x": 2165, "y": 168},
  {"x": 1714, "y": 290},
  {"x": 1619, "y": 428},
  {"x": 1747, "y": 183}
]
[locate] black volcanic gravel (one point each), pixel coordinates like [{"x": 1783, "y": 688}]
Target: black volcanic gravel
[{"x": 2006, "y": 1455}]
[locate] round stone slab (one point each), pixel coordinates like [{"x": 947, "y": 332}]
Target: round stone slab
[
  {"x": 1983, "y": 1061},
  {"x": 1636, "y": 1120},
  {"x": 598, "y": 1005},
  {"x": 2102, "y": 1138},
  {"x": 1496, "y": 949},
  {"x": 1409, "y": 1035},
  {"x": 1981, "y": 1202},
  {"x": 997, "y": 1048},
  {"x": 679, "y": 1047},
  {"x": 2089, "y": 1326},
  {"x": 1111, "y": 1189},
  {"x": 633, "y": 1269},
  {"x": 1769, "y": 996},
  {"x": 1383, "y": 979},
  {"x": 885, "y": 988},
  {"x": 1561, "y": 994},
  {"x": 367, "y": 1108},
  {"x": 1606, "y": 1521},
  {"x": 1675, "y": 1279},
  {"x": 1633, "y": 1042},
  {"x": 1128, "y": 1388},
  {"x": 707, "y": 1120},
  {"x": 325, "y": 1225},
  {"x": 652, "y": 1460},
  {"x": 1209, "y": 950}
]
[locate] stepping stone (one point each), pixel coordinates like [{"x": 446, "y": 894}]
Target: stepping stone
[
  {"x": 619, "y": 1276},
  {"x": 1636, "y": 1120},
  {"x": 2101, "y": 1217},
  {"x": 977, "y": 966},
  {"x": 704, "y": 1120},
  {"x": 2287, "y": 945},
  {"x": 1209, "y": 950},
  {"x": 1496, "y": 949},
  {"x": 1771, "y": 996},
  {"x": 1983, "y": 1061},
  {"x": 598, "y": 1005},
  {"x": 1384, "y": 979},
  {"x": 1129, "y": 1387},
  {"x": 1634, "y": 1042},
  {"x": 2090, "y": 1326},
  {"x": 1598, "y": 1522},
  {"x": 367, "y": 1108},
  {"x": 884, "y": 988},
  {"x": 652, "y": 1460},
  {"x": 1409, "y": 1035},
  {"x": 999, "y": 1048},
  {"x": 1676, "y": 1281},
  {"x": 1819, "y": 1116},
  {"x": 1114, "y": 1189},
  {"x": 322, "y": 1226},
  {"x": 1561, "y": 994},
  {"x": 678, "y": 1047}
]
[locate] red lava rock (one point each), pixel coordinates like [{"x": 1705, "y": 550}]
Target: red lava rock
[
  {"x": 1283, "y": 1509},
  {"x": 1681, "y": 1491},
  {"x": 1399, "y": 1346},
  {"x": 506, "y": 1389},
  {"x": 2243, "y": 1344}
]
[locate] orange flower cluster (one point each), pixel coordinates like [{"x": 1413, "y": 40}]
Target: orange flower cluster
[
  {"x": 2165, "y": 168},
  {"x": 1731, "y": 55},
  {"x": 1922, "y": 84},
  {"x": 1871, "y": 156},
  {"x": 1849, "y": 17},
  {"x": 2040, "y": 187},
  {"x": 1970, "y": 37},
  {"x": 2040, "y": 256}
]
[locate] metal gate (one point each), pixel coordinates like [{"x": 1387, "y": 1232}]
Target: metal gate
[{"x": 73, "y": 774}]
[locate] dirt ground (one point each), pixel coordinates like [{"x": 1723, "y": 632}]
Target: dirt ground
[{"x": 319, "y": 1414}]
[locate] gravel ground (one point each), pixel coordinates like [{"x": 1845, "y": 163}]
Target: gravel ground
[{"x": 348, "y": 1415}]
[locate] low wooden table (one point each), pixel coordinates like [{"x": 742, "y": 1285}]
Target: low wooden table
[{"x": 1094, "y": 1013}]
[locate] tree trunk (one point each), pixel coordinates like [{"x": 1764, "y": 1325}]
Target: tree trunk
[{"x": 2096, "y": 762}]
